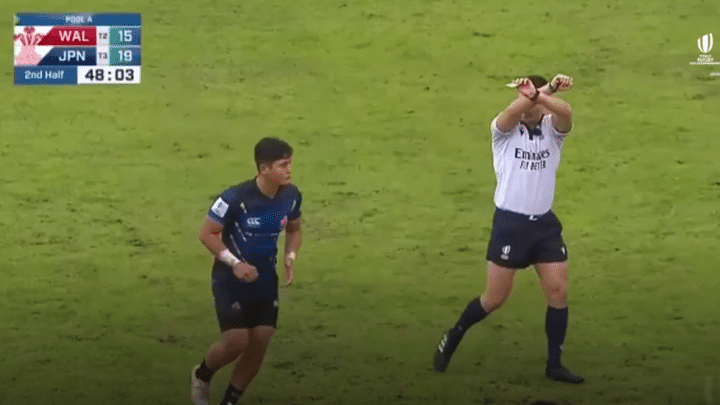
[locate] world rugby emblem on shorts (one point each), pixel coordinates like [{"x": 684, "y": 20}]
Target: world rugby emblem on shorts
[
  {"x": 283, "y": 222},
  {"x": 506, "y": 252}
]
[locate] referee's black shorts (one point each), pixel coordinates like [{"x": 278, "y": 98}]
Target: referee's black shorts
[{"x": 519, "y": 240}]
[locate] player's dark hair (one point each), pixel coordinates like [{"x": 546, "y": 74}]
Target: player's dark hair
[
  {"x": 537, "y": 81},
  {"x": 269, "y": 150}
]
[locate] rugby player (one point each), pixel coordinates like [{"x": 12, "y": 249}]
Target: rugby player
[{"x": 241, "y": 230}]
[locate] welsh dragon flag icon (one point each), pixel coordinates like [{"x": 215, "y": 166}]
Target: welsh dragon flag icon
[{"x": 28, "y": 40}]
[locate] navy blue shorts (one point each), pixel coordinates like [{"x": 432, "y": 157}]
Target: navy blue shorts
[
  {"x": 240, "y": 305},
  {"x": 519, "y": 240}
]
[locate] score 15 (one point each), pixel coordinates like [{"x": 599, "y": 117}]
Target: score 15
[{"x": 124, "y": 36}]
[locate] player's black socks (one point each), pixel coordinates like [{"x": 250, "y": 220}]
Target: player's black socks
[
  {"x": 204, "y": 373},
  {"x": 556, "y": 321},
  {"x": 474, "y": 313},
  {"x": 232, "y": 396}
]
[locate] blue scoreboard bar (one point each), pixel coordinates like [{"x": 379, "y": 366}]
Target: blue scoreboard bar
[{"x": 77, "y": 48}]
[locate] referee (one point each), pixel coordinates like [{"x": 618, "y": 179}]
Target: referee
[
  {"x": 241, "y": 230},
  {"x": 527, "y": 140}
]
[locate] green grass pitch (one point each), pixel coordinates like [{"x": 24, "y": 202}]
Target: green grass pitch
[{"x": 104, "y": 288}]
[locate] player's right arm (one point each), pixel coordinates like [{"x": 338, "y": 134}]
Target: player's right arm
[{"x": 211, "y": 237}]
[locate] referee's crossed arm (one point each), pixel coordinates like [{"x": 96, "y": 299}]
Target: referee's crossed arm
[{"x": 561, "y": 110}]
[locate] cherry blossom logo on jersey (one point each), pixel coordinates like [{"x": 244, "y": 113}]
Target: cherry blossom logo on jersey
[
  {"x": 283, "y": 222},
  {"x": 28, "y": 40}
]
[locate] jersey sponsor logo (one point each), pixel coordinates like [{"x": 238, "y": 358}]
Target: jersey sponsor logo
[
  {"x": 525, "y": 165},
  {"x": 532, "y": 160},
  {"x": 505, "y": 252},
  {"x": 253, "y": 221},
  {"x": 219, "y": 208},
  {"x": 523, "y": 154}
]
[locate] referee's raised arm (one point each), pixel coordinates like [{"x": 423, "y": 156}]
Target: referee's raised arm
[
  {"x": 561, "y": 112},
  {"x": 560, "y": 109},
  {"x": 510, "y": 116}
]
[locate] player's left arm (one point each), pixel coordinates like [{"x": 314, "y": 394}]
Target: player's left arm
[{"x": 293, "y": 239}]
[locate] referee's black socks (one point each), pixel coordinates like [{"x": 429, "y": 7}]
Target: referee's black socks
[
  {"x": 556, "y": 321},
  {"x": 474, "y": 313},
  {"x": 232, "y": 395}
]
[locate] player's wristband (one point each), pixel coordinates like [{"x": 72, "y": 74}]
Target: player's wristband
[
  {"x": 228, "y": 258},
  {"x": 537, "y": 93},
  {"x": 552, "y": 89}
]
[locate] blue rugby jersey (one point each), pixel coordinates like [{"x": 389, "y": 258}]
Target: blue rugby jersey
[{"x": 252, "y": 222}]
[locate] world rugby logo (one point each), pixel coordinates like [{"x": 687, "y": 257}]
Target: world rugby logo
[{"x": 705, "y": 43}]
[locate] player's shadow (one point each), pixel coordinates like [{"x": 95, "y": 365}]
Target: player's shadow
[{"x": 545, "y": 403}]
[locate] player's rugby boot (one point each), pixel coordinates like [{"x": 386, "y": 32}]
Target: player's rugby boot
[{"x": 199, "y": 389}]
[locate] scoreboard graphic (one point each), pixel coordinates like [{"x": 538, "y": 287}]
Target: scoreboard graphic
[{"x": 69, "y": 49}]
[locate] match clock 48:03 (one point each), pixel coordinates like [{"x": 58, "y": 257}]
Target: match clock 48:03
[{"x": 108, "y": 74}]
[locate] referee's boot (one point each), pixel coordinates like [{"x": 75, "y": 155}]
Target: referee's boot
[
  {"x": 445, "y": 349},
  {"x": 561, "y": 373}
]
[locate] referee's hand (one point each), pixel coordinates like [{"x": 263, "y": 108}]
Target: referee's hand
[
  {"x": 245, "y": 272},
  {"x": 525, "y": 87},
  {"x": 561, "y": 83}
]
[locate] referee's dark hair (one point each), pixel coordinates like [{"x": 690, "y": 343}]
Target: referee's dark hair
[
  {"x": 537, "y": 81},
  {"x": 268, "y": 150}
]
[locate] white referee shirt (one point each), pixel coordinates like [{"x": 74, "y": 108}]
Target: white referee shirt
[{"x": 525, "y": 169}]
